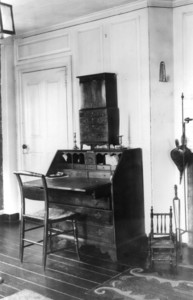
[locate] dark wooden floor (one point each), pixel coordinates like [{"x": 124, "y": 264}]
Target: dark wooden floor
[{"x": 65, "y": 277}]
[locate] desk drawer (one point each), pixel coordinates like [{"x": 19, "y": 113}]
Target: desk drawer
[
  {"x": 78, "y": 167},
  {"x": 91, "y": 216},
  {"x": 104, "y": 167},
  {"x": 99, "y": 174},
  {"x": 79, "y": 199},
  {"x": 78, "y": 172}
]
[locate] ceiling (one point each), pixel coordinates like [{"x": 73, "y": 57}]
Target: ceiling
[{"x": 32, "y": 15}]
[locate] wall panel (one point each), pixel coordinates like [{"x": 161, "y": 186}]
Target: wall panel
[
  {"x": 42, "y": 45},
  {"x": 125, "y": 62},
  {"x": 90, "y": 50}
]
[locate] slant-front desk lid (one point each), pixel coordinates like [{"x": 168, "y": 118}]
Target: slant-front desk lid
[{"x": 76, "y": 184}]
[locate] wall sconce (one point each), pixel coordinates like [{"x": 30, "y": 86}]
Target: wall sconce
[
  {"x": 162, "y": 72},
  {"x": 6, "y": 20}
]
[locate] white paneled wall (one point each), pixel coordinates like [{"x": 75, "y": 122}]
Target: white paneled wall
[
  {"x": 90, "y": 50},
  {"x": 130, "y": 61},
  {"x": 116, "y": 44},
  {"x": 42, "y": 46},
  {"x": 130, "y": 44},
  {"x": 125, "y": 56},
  {"x": 162, "y": 117}
]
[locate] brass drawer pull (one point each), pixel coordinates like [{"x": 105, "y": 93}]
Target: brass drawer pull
[{"x": 98, "y": 215}]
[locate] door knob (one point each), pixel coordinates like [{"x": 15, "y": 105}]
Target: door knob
[{"x": 25, "y": 149}]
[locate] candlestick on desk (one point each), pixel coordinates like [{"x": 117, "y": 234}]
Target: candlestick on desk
[{"x": 75, "y": 145}]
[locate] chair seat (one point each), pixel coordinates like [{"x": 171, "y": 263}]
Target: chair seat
[
  {"x": 54, "y": 214},
  {"x": 161, "y": 243}
]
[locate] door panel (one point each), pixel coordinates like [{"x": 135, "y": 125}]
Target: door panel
[{"x": 44, "y": 117}]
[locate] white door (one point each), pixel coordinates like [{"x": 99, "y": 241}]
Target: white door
[{"x": 45, "y": 117}]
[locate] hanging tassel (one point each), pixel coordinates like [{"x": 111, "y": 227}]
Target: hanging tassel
[{"x": 162, "y": 72}]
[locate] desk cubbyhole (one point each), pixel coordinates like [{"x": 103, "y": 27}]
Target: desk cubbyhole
[
  {"x": 78, "y": 158},
  {"x": 100, "y": 159}
]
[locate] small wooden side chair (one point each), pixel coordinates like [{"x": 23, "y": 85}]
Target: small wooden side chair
[
  {"x": 162, "y": 240},
  {"x": 46, "y": 218}
]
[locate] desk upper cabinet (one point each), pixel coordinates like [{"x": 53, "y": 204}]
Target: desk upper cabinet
[{"x": 99, "y": 113}]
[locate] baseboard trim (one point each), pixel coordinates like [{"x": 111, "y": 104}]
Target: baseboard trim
[
  {"x": 9, "y": 217},
  {"x": 185, "y": 266}
]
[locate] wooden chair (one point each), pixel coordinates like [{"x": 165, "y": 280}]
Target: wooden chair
[
  {"x": 46, "y": 218},
  {"x": 162, "y": 240}
]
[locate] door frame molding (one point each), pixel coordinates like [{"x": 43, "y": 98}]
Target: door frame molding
[{"x": 61, "y": 61}]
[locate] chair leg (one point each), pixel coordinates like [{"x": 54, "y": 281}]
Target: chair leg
[
  {"x": 151, "y": 259},
  {"x": 150, "y": 256},
  {"x": 171, "y": 257},
  {"x": 176, "y": 254},
  {"x": 22, "y": 229},
  {"x": 50, "y": 238},
  {"x": 75, "y": 230},
  {"x": 45, "y": 242}
]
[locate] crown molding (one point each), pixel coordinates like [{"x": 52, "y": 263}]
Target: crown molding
[
  {"x": 160, "y": 3},
  {"x": 118, "y": 10},
  {"x": 168, "y": 3},
  {"x": 177, "y": 3}
]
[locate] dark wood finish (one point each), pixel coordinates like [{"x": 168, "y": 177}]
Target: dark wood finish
[
  {"x": 99, "y": 114},
  {"x": 127, "y": 193},
  {"x": 47, "y": 218},
  {"x": 162, "y": 240},
  {"x": 98, "y": 90},
  {"x": 99, "y": 126},
  {"x": 74, "y": 184},
  {"x": 106, "y": 188}
]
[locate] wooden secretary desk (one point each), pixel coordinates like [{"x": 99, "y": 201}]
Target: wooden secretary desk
[
  {"x": 106, "y": 188},
  {"x": 104, "y": 184}
]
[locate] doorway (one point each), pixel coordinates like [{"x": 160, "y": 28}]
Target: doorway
[{"x": 44, "y": 115}]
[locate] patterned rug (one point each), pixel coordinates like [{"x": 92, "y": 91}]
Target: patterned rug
[
  {"x": 26, "y": 295},
  {"x": 138, "y": 285}
]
